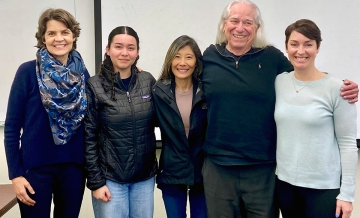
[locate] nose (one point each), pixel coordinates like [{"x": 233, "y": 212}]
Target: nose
[
  {"x": 301, "y": 50},
  {"x": 59, "y": 37},
  {"x": 239, "y": 27},
  {"x": 182, "y": 61},
  {"x": 124, "y": 51}
]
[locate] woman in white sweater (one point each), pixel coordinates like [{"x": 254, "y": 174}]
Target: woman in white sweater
[{"x": 316, "y": 133}]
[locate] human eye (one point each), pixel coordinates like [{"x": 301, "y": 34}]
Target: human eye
[
  {"x": 234, "y": 21},
  {"x": 132, "y": 48},
  {"x": 50, "y": 33},
  {"x": 189, "y": 57},
  {"x": 248, "y": 23}
]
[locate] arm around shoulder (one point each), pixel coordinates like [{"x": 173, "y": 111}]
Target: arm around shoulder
[{"x": 350, "y": 91}]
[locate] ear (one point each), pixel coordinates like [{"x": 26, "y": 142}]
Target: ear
[
  {"x": 286, "y": 48},
  {"x": 107, "y": 50},
  {"x": 317, "y": 52}
]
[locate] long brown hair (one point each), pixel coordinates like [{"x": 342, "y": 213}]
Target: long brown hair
[
  {"x": 179, "y": 43},
  {"x": 107, "y": 63}
]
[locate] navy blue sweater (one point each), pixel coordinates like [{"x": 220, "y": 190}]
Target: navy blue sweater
[
  {"x": 240, "y": 95},
  {"x": 28, "y": 139}
]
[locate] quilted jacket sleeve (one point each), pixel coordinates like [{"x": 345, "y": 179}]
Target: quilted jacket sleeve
[{"x": 95, "y": 177}]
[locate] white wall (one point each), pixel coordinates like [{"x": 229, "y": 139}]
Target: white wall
[{"x": 159, "y": 22}]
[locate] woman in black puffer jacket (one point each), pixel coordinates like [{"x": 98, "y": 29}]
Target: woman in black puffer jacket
[{"x": 119, "y": 132}]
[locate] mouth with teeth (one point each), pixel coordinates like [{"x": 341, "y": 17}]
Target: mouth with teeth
[
  {"x": 239, "y": 36},
  {"x": 59, "y": 46},
  {"x": 183, "y": 70},
  {"x": 301, "y": 58}
]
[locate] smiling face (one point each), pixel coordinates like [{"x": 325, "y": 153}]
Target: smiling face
[
  {"x": 240, "y": 28},
  {"x": 184, "y": 63},
  {"x": 301, "y": 51},
  {"x": 123, "y": 52},
  {"x": 58, "y": 40}
]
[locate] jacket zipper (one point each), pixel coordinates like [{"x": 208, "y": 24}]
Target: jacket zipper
[
  {"x": 178, "y": 112},
  {"x": 236, "y": 61},
  {"x": 195, "y": 98},
  {"x": 134, "y": 129},
  {"x": 129, "y": 98}
]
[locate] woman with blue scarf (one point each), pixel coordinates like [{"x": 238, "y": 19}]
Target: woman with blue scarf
[{"x": 43, "y": 126}]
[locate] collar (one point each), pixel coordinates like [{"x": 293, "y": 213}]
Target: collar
[
  {"x": 117, "y": 82},
  {"x": 221, "y": 48}
]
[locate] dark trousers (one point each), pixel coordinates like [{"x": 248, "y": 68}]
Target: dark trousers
[
  {"x": 239, "y": 191},
  {"x": 62, "y": 183},
  {"x": 175, "y": 201},
  {"x": 299, "y": 202}
]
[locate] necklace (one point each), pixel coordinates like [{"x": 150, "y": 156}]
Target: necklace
[{"x": 297, "y": 91}]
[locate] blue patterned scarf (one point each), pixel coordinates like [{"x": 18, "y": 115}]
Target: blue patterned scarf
[{"x": 62, "y": 90}]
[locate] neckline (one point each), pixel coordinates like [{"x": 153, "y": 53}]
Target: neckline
[
  {"x": 177, "y": 91},
  {"x": 303, "y": 83}
]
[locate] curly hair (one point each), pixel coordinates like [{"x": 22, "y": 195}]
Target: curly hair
[{"x": 60, "y": 15}]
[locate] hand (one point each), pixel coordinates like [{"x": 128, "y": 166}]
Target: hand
[
  {"x": 344, "y": 208},
  {"x": 102, "y": 193},
  {"x": 350, "y": 91},
  {"x": 20, "y": 185}
]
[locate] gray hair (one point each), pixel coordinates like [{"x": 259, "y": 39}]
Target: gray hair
[{"x": 260, "y": 39}]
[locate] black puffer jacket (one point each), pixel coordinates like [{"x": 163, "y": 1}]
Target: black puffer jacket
[
  {"x": 181, "y": 158},
  {"x": 119, "y": 135}
]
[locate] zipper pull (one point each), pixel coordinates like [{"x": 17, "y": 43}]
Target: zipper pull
[
  {"x": 128, "y": 95},
  {"x": 237, "y": 64}
]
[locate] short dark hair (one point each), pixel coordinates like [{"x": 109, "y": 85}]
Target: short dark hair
[
  {"x": 306, "y": 27},
  {"x": 60, "y": 15},
  {"x": 179, "y": 43}
]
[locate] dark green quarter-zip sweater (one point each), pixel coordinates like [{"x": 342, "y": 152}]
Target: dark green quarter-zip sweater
[{"x": 240, "y": 95}]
